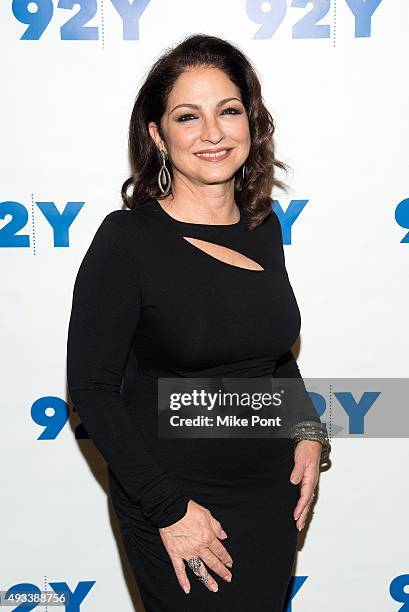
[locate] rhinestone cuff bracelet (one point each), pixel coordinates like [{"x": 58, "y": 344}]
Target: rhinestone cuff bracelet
[{"x": 312, "y": 430}]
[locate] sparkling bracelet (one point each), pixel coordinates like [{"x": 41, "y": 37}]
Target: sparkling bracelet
[{"x": 312, "y": 430}]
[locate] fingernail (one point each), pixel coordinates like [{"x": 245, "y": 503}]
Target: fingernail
[
  {"x": 214, "y": 587},
  {"x": 229, "y": 564},
  {"x": 296, "y": 517},
  {"x": 228, "y": 578},
  {"x": 224, "y": 534},
  {"x": 299, "y": 528},
  {"x": 186, "y": 589}
]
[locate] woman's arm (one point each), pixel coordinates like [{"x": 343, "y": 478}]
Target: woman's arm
[
  {"x": 300, "y": 403},
  {"x": 302, "y": 406},
  {"x": 106, "y": 307}
]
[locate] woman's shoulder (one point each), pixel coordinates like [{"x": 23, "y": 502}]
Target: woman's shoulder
[
  {"x": 123, "y": 232},
  {"x": 125, "y": 216},
  {"x": 130, "y": 221}
]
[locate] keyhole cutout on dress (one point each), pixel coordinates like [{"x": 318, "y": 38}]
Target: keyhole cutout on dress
[{"x": 224, "y": 254}]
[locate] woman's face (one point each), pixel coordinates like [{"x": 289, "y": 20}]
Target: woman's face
[{"x": 205, "y": 113}]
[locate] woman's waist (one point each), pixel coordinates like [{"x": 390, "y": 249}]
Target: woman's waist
[{"x": 250, "y": 367}]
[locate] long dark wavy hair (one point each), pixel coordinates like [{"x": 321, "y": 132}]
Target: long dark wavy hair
[{"x": 200, "y": 50}]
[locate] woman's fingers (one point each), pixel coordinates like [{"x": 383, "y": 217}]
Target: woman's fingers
[
  {"x": 306, "y": 472},
  {"x": 217, "y": 548},
  {"x": 217, "y": 528},
  {"x": 180, "y": 571},
  {"x": 307, "y": 488},
  {"x": 212, "y": 560},
  {"x": 207, "y": 559},
  {"x": 202, "y": 572},
  {"x": 303, "y": 516}
]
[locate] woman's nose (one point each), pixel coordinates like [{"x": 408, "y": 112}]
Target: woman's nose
[{"x": 212, "y": 131}]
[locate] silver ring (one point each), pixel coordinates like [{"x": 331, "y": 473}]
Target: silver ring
[
  {"x": 195, "y": 563},
  {"x": 205, "y": 577}
]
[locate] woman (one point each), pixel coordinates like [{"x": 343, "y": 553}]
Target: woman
[{"x": 191, "y": 282}]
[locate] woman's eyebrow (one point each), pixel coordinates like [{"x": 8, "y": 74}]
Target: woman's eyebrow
[{"x": 196, "y": 106}]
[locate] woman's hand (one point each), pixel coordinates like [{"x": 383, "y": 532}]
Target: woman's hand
[
  {"x": 306, "y": 470},
  {"x": 196, "y": 534}
]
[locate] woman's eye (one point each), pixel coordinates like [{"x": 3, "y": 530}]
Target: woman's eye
[
  {"x": 236, "y": 111},
  {"x": 229, "y": 111},
  {"x": 184, "y": 117}
]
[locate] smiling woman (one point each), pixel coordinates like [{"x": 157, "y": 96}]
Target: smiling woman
[
  {"x": 194, "y": 105},
  {"x": 208, "y": 143},
  {"x": 191, "y": 283}
]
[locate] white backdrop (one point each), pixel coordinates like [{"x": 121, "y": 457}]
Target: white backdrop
[{"x": 339, "y": 94}]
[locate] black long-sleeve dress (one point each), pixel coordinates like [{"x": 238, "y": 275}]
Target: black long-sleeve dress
[{"x": 147, "y": 304}]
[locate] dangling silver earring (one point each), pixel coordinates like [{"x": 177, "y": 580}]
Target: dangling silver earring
[
  {"x": 164, "y": 178},
  {"x": 243, "y": 171}
]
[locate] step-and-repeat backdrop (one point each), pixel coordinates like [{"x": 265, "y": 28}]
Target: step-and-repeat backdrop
[{"x": 334, "y": 78}]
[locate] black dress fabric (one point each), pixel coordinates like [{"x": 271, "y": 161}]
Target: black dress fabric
[{"x": 149, "y": 304}]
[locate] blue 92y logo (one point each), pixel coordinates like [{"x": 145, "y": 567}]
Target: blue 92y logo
[
  {"x": 37, "y": 15},
  {"x": 270, "y": 15},
  {"x": 16, "y": 219},
  {"x": 396, "y": 590},
  {"x": 51, "y": 413}
]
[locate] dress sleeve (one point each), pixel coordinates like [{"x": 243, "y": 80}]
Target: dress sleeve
[
  {"x": 106, "y": 306},
  {"x": 302, "y": 407},
  {"x": 300, "y": 403}
]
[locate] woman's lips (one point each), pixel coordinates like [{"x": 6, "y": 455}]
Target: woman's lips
[{"x": 214, "y": 157}]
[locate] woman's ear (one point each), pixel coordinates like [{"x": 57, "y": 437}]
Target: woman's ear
[{"x": 154, "y": 133}]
